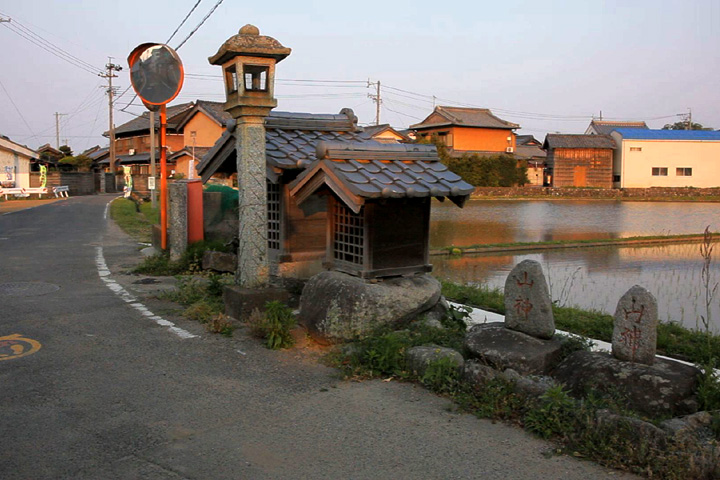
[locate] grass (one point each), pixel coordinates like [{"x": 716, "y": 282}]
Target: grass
[
  {"x": 673, "y": 340},
  {"x": 459, "y": 250},
  {"x": 135, "y": 220}
]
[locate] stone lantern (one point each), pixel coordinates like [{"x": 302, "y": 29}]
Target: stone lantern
[{"x": 248, "y": 60}]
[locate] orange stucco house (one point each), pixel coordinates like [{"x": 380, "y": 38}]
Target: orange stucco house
[
  {"x": 192, "y": 129},
  {"x": 468, "y": 130}
]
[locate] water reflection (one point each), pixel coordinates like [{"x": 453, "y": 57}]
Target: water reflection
[
  {"x": 502, "y": 221},
  {"x": 596, "y": 278}
]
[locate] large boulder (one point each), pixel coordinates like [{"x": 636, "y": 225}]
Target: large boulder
[
  {"x": 659, "y": 389},
  {"x": 503, "y": 348},
  {"x": 341, "y": 307},
  {"x": 418, "y": 359}
]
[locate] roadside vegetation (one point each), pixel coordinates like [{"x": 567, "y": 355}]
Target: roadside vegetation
[
  {"x": 576, "y": 426},
  {"x": 136, "y": 219},
  {"x": 202, "y": 299}
]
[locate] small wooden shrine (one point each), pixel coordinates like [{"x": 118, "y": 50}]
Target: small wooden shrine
[{"x": 379, "y": 198}]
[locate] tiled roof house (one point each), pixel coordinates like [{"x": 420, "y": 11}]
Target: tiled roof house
[{"x": 468, "y": 130}]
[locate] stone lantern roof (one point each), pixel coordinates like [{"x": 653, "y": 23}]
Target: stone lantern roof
[{"x": 249, "y": 42}]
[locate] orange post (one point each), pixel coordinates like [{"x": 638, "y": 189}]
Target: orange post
[
  {"x": 194, "y": 211},
  {"x": 163, "y": 179}
]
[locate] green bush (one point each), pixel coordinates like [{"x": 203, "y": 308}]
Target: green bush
[{"x": 495, "y": 171}]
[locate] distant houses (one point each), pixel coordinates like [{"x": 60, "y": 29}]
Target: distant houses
[
  {"x": 15, "y": 163},
  {"x": 666, "y": 158},
  {"x": 631, "y": 155},
  {"x": 530, "y": 150},
  {"x": 468, "y": 131},
  {"x": 192, "y": 129}
]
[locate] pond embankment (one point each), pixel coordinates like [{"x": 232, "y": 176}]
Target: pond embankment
[
  {"x": 653, "y": 194},
  {"x": 526, "y": 246}
]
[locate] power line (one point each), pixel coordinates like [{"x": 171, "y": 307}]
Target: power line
[
  {"x": 184, "y": 20},
  {"x": 18, "y": 110},
  {"x": 199, "y": 24},
  {"x": 26, "y": 33}
]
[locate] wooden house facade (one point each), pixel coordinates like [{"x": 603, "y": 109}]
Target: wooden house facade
[{"x": 579, "y": 160}]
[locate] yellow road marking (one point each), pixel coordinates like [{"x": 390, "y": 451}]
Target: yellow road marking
[{"x": 16, "y": 346}]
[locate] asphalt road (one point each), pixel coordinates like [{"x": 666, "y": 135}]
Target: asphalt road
[{"x": 95, "y": 387}]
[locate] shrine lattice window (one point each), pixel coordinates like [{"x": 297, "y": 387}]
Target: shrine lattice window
[
  {"x": 348, "y": 235},
  {"x": 274, "y": 216}
]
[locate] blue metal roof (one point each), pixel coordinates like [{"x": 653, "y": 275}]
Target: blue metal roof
[{"x": 643, "y": 134}]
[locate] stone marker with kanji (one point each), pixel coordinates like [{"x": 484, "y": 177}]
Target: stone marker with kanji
[
  {"x": 528, "y": 307},
  {"x": 635, "y": 332}
]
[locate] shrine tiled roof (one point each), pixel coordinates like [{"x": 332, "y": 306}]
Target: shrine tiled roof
[
  {"x": 372, "y": 170},
  {"x": 290, "y": 140}
]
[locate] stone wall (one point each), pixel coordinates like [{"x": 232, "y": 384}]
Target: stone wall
[
  {"x": 654, "y": 192},
  {"x": 80, "y": 183}
]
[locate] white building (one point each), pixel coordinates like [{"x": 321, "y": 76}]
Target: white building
[
  {"x": 666, "y": 158},
  {"x": 15, "y": 164}
]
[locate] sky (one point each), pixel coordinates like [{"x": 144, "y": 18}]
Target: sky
[{"x": 549, "y": 66}]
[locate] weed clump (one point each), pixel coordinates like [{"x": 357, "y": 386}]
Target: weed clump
[
  {"x": 274, "y": 325},
  {"x": 220, "y": 324}
]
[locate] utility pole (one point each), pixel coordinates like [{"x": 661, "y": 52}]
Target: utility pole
[
  {"x": 689, "y": 124},
  {"x": 111, "y": 67},
  {"x": 376, "y": 98},
  {"x": 57, "y": 128},
  {"x": 153, "y": 192}
]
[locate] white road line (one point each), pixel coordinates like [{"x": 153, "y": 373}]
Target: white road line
[
  {"x": 104, "y": 273},
  {"x": 131, "y": 300}
]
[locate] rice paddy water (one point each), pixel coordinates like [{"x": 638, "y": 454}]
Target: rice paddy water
[{"x": 593, "y": 277}]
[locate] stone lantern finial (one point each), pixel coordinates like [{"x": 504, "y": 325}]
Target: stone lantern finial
[
  {"x": 249, "y": 42},
  {"x": 249, "y": 30}
]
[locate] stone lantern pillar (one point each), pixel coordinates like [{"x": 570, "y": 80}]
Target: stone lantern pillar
[{"x": 248, "y": 60}]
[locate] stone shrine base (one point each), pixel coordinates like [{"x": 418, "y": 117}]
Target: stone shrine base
[
  {"x": 503, "y": 348},
  {"x": 240, "y": 302},
  {"x": 658, "y": 389},
  {"x": 339, "y": 307}
]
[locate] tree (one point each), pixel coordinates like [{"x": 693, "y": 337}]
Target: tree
[
  {"x": 66, "y": 151},
  {"x": 81, "y": 163},
  {"x": 684, "y": 126}
]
